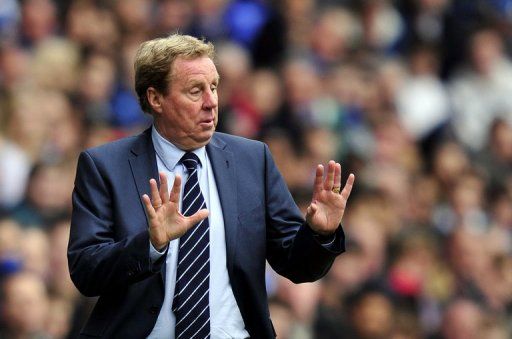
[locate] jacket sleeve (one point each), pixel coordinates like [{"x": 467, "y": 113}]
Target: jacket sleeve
[
  {"x": 293, "y": 250},
  {"x": 98, "y": 261}
]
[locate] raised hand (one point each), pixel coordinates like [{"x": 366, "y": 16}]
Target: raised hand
[
  {"x": 327, "y": 207},
  {"x": 166, "y": 223}
]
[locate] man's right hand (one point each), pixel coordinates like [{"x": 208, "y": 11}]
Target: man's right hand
[{"x": 166, "y": 223}]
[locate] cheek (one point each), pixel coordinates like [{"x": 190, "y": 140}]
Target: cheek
[
  {"x": 193, "y": 116},
  {"x": 187, "y": 116}
]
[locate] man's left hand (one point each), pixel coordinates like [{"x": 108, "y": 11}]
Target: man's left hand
[{"x": 327, "y": 207}]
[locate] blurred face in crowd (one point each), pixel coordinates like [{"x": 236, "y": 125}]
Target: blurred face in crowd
[
  {"x": 450, "y": 160},
  {"x": 133, "y": 14},
  {"x": 373, "y": 316},
  {"x": 463, "y": 319},
  {"x": 49, "y": 188},
  {"x": 39, "y": 18},
  {"x": 14, "y": 65},
  {"x": 26, "y": 303},
  {"x": 35, "y": 249},
  {"x": 187, "y": 114},
  {"x": 486, "y": 49}
]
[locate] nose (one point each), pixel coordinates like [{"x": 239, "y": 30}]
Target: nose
[{"x": 210, "y": 99}]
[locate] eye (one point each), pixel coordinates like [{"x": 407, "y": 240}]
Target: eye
[
  {"x": 213, "y": 88},
  {"x": 195, "y": 91}
]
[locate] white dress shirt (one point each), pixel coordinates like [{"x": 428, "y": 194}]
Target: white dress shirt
[{"x": 225, "y": 317}]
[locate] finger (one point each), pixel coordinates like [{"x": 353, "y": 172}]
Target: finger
[
  {"x": 164, "y": 190},
  {"x": 329, "y": 178},
  {"x": 155, "y": 196},
  {"x": 310, "y": 212},
  {"x": 337, "y": 175},
  {"x": 311, "y": 209},
  {"x": 348, "y": 186},
  {"x": 319, "y": 176},
  {"x": 149, "y": 207},
  {"x": 176, "y": 189},
  {"x": 197, "y": 217}
]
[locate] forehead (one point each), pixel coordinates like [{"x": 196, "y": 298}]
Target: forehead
[{"x": 201, "y": 68}]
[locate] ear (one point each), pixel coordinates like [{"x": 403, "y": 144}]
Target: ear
[{"x": 154, "y": 99}]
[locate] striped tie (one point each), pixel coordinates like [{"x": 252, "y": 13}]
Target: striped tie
[{"x": 191, "y": 296}]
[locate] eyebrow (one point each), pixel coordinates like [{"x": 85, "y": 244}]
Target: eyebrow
[{"x": 194, "y": 82}]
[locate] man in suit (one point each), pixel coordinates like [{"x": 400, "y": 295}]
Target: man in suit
[{"x": 188, "y": 261}]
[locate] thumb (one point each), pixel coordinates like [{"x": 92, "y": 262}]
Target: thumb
[
  {"x": 198, "y": 216},
  {"x": 311, "y": 210}
]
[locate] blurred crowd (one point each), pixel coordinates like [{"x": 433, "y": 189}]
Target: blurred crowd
[{"x": 413, "y": 96}]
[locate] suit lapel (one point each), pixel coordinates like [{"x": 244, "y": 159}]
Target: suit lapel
[
  {"x": 143, "y": 164},
  {"x": 144, "y": 167},
  {"x": 223, "y": 165}
]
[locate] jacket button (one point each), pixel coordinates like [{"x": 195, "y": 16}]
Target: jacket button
[{"x": 154, "y": 310}]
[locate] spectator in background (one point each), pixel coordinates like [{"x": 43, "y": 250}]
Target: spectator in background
[
  {"x": 422, "y": 102},
  {"x": 14, "y": 172},
  {"x": 371, "y": 314},
  {"x": 26, "y": 124},
  {"x": 463, "y": 318},
  {"x": 496, "y": 158},
  {"x": 38, "y": 21},
  {"x": 173, "y": 15},
  {"x": 15, "y": 64},
  {"x": 482, "y": 90},
  {"x": 238, "y": 115},
  {"x": 382, "y": 25},
  {"x": 95, "y": 88},
  {"x": 46, "y": 198},
  {"x": 426, "y": 20},
  {"x": 335, "y": 34},
  {"x": 93, "y": 27},
  {"x": 24, "y": 306},
  {"x": 53, "y": 57},
  {"x": 126, "y": 112},
  {"x": 35, "y": 251}
]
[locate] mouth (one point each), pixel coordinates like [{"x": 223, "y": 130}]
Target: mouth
[{"x": 207, "y": 123}]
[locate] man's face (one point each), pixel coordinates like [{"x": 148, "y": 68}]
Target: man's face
[{"x": 187, "y": 114}]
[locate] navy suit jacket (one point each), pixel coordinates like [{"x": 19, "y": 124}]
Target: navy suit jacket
[{"x": 108, "y": 249}]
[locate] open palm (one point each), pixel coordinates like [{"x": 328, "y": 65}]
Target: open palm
[
  {"x": 166, "y": 223},
  {"x": 327, "y": 207}
]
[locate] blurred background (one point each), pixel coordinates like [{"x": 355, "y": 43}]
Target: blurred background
[{"x": 413, "y": 96}]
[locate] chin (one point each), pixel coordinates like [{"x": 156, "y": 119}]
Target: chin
[
  {"x": 199, "y": 142},
  {"x": 207, "y": 134},
  {"x": 207, "y": 138}
]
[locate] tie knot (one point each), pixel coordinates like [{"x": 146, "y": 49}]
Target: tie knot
[{"x": 190, "y": 161}]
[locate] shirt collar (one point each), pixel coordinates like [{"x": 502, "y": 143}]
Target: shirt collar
[{"x": 170, "y": 154}]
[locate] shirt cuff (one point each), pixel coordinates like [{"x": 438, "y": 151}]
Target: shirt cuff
[
  {"x": 154, "y": 254},
  {"x": 325, "y": 240}
]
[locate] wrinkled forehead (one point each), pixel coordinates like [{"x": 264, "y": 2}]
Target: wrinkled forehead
[{"x": 197, "y": 67}]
